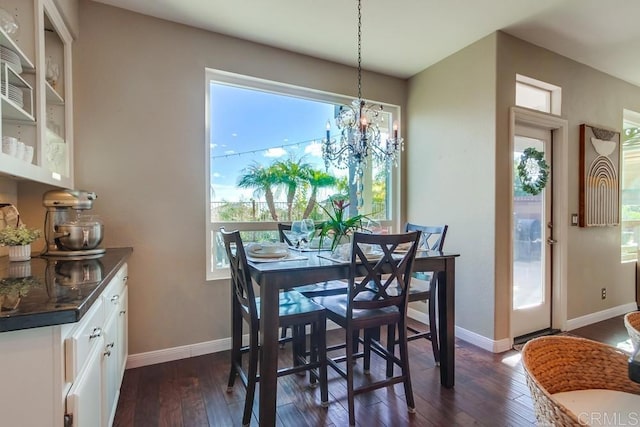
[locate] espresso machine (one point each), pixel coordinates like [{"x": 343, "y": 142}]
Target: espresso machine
[{"x": 68, "y": 231}]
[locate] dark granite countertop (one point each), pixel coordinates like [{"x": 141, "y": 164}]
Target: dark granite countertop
[{"x": 53, "y": 291}]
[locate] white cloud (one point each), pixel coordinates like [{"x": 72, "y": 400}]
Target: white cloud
[
  {"x": 314, "y": 149},
  {"x": 229, "y": 152},
  {"x": 275, "y": 152},
  {"x": 216, "y": 175}
]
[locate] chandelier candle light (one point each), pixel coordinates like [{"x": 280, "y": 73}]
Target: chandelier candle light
[{"x": 359, "y": 126}]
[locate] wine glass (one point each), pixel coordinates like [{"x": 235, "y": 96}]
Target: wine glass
[
  {"x": 298, "y": 232},
  {"x": 310, "y": 227}
]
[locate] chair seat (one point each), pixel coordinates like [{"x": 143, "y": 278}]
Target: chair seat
[
  {"x": 293, "y": 303},
  {"x": 336, "y": 306},
  {"x": 331, "y": 287}
]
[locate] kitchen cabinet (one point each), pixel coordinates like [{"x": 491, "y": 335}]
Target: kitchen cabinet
[
  {"x": 41, "y": 117},
  {"x": 69, "y": 374}
]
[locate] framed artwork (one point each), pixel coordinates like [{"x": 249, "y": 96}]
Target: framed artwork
[{"x": 599, "y": 177}]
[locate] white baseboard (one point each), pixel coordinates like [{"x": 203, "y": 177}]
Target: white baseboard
[
  {"x": 466, "y": 335},
  {"x": 494, "y": 346},
  {"x": 186, "y": 351},
  {"x": 599, "y": 316}
]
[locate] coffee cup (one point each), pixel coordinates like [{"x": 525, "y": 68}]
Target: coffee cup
[{"x": 9, "y": 145}]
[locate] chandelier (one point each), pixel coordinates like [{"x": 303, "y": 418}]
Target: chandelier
[{"x": 360, "y": 136}]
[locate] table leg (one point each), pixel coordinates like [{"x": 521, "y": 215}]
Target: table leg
[
  {"x": 269, "y": 354},
  {"x": 446, "y": 317}
]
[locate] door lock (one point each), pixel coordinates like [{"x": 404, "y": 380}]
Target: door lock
[{"x": 551, "y": 241}]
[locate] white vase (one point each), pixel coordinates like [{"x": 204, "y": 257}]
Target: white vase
[{"x": 20, "y": 253}]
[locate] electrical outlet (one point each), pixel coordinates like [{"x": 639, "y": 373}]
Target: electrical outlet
[
  {"x": 603, "y": 293},
  {"x": 574, "y": 219}
]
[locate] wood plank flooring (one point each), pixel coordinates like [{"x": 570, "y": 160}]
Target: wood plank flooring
[{"x": 490, "y": 390}]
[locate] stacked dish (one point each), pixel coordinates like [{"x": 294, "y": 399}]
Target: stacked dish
[
  {"x": 11, "y": 58},
  {"x": 14, "y": 93}
]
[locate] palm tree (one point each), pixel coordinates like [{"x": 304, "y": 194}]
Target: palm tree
[
  {"x": 317, "y": 179},
  {"x": 261, "y": 179},
  {"x": 291, "y": 173}
]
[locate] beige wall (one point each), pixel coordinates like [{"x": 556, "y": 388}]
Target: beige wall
[
  {"x": 139, "y": 88},
  {"x": 451, "y": 170},
  {"x": 69, "y": 11},
  {"x": 458, "y": 173},
  {"x": 588, "y": 96}
]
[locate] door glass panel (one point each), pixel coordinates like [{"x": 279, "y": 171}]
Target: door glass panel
[{"x": 528, "y": 236}]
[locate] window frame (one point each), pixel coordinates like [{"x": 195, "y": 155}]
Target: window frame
[
  {"x": 249, "y": 82},
  {"x": 633, "y": 118}
]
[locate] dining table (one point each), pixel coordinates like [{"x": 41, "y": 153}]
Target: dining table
[{"x": 303, "y": 268}]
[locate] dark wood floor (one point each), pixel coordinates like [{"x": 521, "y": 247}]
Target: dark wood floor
[{"x": 490, "y": 390}]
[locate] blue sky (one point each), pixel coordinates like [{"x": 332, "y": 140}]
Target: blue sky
[{"x": 245, "y": 123}]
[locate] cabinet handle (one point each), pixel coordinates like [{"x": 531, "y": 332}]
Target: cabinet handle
[
  {"x": 107, "y": 353},
  {"x": 123, "y": 312},
  {"x": 96, "y": 333},
  {"x": 110, "y": 345},
  {"x": 115, "y": 298},
  {"x": 125, "y": 278}
]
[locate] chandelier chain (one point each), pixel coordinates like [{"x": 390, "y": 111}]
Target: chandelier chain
[{"x": 359, "y": 50}]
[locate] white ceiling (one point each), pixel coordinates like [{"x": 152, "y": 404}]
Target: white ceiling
[{"x": 403, "y": 37}]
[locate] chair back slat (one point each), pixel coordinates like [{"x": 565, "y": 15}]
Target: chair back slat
[
  {"x": 282, "y": 227},
  {"x": 432, "y": 235},
  {"x": 241, "y": 283},
  {"x": 383, "y": 283}
]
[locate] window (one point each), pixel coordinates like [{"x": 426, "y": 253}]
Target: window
[
  {"x": 264, "y": 162},
  {"x": 630, "y": 199},
  {"x": 538, "y": 95}
]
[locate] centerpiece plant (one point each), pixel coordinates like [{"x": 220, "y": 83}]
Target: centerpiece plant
[
  {"x": 337, "y": 226},
  {"x": 18, "y": 236}
]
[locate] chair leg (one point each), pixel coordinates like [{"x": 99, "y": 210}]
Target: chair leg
[
  {"x": 313, "y": 351},
  {"x": 406, "y": 372},
  {"x": 283, "y": 335},
  {"x": 433, "y": 329},
  {"x": 252, "y": 373},
  {"x": 391, "y": 345},
  {"x": 236, "y": 343},
  {"x": 322, "y": 357},
  {"x": 349, "y": 365},
  {"x": 366, "y": 366}
]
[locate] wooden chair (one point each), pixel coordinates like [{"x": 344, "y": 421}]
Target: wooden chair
[
  {"x": 368, "y": 306},
  {"x": 423, "y": 285},
  {"x": 560, "y": 364},
  {"x": 295, "y": 310}
]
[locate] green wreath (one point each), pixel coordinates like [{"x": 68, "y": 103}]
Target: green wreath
[{"x": 533, "y": 171}]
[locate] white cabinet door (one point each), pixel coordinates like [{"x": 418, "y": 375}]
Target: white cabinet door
[
  {"x": 84, "y": 402},
  {"x": 123, "y": 324},
  {"x": 111, "y": 379}
]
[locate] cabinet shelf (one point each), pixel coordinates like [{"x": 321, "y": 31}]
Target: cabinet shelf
[
  {"x": 53, "y": 97},
  {"x": 7, "y": 42},
  {"x": 12, "y": 111}
]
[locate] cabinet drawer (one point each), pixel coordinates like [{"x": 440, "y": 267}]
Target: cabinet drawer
[
  {"x": 113, "y": 293},
  {"x": 87, "y": 334}
]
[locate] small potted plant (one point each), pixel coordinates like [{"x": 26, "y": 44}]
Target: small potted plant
[
  {"x": 337, "y": 227},
  {"x": 19, "y": 240}
]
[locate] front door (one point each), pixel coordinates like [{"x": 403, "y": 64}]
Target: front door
[{"x": 532, "y": 241}]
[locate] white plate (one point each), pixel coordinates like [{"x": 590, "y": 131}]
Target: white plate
[{"x": 272, "y": 255}]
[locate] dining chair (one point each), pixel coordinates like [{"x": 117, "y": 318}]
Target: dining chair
[
  {"x": 368, "y": 306},
  {"x": 423, "y": 285},
  {"x": 329, "y": 287},
  {"x": 561, "y": 372},
  {"x": 295, "y": 310}
]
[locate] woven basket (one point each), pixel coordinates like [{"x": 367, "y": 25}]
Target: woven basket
[
  {"x": 556, "y": 364},
  {"x": 632, "y": 322}
]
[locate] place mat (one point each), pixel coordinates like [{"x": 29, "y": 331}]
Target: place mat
[{"x": 288, "y": 257}]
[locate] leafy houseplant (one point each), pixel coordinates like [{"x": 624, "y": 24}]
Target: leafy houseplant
[
  {"x": 18, "y": 236},
  {"x": 337, "y": 225}
]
